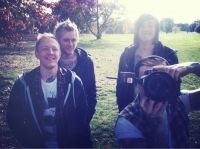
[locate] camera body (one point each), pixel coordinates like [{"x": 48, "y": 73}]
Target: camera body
[{"x": 158, "y": 86}]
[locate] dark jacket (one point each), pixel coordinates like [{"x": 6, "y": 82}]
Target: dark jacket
[
  {"x": 85, "y": 70},
  {"x": 25, "y": 110},
  {"x": 125, "y": 91}
]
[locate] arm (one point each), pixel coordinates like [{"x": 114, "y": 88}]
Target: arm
[
  {"x": 82, "y": 134},
  {"x": 91, "y": 90},
  {"x": 154, "y": 115},
  {"x": 194, "y": 97},
  {"x": 133, "y": 135},
  {"x": 128, "y": 136},
  {"x": 124, "y": 91},
  {"x": 157, "y": 138},
  {"x": 180, "y": 70},
  {"x": 81, "y": 101},
  {"x": 170, "y": 55},
  {"x": 119, "y": 85},
  {"x": 15, "y": 112}
]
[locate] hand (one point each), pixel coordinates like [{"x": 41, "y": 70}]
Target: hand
[
  {"x": 179, "y": 70},
  {"x": 152, "y": 108}
]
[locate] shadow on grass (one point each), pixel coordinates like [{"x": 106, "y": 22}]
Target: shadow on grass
[
  {"x": 95, "y": 44},
  {"x": 13, "y": 51},
  {"x": 5, "y": 82},
  {"x": 23, "y": 49}
]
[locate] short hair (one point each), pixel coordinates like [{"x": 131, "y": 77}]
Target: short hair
[
  {"x": 151, "y": 61},
  {"x": 67, "y": 25},
  {"x": 40, "y": 37},
  {"x": 139, "y": 22}
]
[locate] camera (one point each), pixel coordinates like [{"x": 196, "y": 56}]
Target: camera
[{"x": 158, "y": 86}]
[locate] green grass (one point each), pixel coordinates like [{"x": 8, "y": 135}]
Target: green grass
[{"x": 106, "y": 53}]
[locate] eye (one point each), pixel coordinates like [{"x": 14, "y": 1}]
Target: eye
[
  {"x": 54, "y": 49},
  {"x": 73, "y": 40},
  {"x": 44, "y": 49},
  {"x": 66, "y": 40}
]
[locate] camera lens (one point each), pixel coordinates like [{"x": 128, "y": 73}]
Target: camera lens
[{"x": 160, "y": 86}]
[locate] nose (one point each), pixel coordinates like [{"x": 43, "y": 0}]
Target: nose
[
  {"x": 51, "y": 51},
  {"x": 70, "y": 42},
  {"x": 145, "y": 28}
]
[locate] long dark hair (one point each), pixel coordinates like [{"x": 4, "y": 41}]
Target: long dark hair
[{"x": 139, "y": 23}]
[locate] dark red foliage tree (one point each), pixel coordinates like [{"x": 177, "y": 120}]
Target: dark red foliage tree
[{"x": 19, "y": 17}]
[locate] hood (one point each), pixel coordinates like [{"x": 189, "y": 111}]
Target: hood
[{"x": 82, "y": 54}]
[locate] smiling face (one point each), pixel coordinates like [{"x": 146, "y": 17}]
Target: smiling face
[
  {"x": 147, "y": 31},
  {"x": 68, "y": 41},
  {"x": 48, "y": 52}
]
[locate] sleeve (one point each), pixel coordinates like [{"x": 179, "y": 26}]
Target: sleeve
[
  {"x": 184, "y": 97},
  {"x": 171, "y": 56},
  {"x": 91, "y": 90},
  {"x": 80, "y": 99},
  {"x": 125, "y": 129},
  {"x": 83, "y": 132},
  {"x": 124, "y": 92},
  {"x": 15, "y": 111}
]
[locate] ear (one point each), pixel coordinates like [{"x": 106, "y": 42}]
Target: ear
[{"x": 36, "y": 54}]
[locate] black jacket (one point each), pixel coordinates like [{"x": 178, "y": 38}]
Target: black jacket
[
  {"x": 25, "y": 110},
  {"x": 124, "y": 91},
  {"x": 85, "y": 70}
]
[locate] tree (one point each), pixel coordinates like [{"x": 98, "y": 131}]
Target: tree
[
  {"x": 92, "y": 15},
  {"x": 194, "y": 27},
  {"x": 183, "y": 27},
  {"x": 166, "y": 25},
  {"x": 197, "y": 29},
  {"x": 73, "y": 9},
  {"x": 100, "y": 17},
  {"x": 175, "y": 29},
  {"x": 23, "y": 17}
]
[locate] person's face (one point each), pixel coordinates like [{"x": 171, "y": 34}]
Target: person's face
[
  {"x": 48, "y": 53},
  {"x": 147, "y": 31},
  {"x": 68, "y": 41}
]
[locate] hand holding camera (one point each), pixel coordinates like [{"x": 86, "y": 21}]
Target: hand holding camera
[
  {"x": 152, "y": 108},
  {"x": 158, "y": 85},
  {"x": 180, "y": 70}
]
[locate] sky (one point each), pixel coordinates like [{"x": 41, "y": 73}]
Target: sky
[{"x": 181, "y": 11}]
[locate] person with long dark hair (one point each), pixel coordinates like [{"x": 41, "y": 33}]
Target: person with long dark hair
[{"x": 146, "y": 43}]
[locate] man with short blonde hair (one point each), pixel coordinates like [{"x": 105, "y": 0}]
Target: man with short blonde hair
[
  {"x": 79, "y": 61},
  {"x": 47, "y": 106}
]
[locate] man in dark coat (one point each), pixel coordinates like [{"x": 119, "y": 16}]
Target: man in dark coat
[
  {"x": 77, "y": 60},
  {"x": 47, "y": 106}
]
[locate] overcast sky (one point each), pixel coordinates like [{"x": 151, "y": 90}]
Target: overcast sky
[{"x": 181, "y": 11}]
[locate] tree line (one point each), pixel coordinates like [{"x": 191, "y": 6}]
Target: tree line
[{"x": 20, "y": 17}]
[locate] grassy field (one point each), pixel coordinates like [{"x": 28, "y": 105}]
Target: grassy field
[{"x": 105, "y": 53}]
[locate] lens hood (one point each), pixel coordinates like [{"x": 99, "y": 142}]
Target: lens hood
[{"x": 160, "y": 86}]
